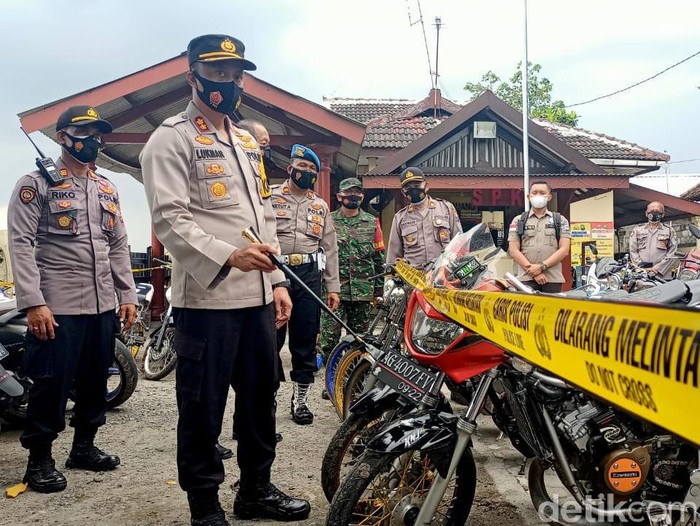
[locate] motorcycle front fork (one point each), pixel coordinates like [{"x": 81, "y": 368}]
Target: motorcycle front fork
[{"x": 466, "y": 426}]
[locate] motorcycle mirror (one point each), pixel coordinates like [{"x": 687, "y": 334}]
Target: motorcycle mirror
[
  {"x": 694, "y": 230},
  {"x": 593, "y": 249}
]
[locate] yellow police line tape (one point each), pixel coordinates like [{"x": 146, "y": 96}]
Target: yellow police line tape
[{"x": 642, "y": 358}]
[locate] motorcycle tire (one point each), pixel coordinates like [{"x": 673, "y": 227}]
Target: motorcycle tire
[
  {"x": 128, "y": 376},
  {"x": 165, "y": 361},
  {"x": 347, "y": 446},
  {"x": 346, "y": 366},
  {"x": 348, "y": 506},
  {"x": 355, "y": 385}
]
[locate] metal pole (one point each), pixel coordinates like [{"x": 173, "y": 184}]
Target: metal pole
[
  {"x": 526, "y": 112},
  {"x": 438, "y": 23}
]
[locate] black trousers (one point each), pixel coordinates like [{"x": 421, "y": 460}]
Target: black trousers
[
  {"x": 304, "y": 325},
  {"x": 79, "y": 357},
  {"x": 549, "y": 288},
  {"x": 217, "y": 349}
]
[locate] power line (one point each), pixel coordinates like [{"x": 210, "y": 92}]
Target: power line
[{"x": 636, "y": 84}]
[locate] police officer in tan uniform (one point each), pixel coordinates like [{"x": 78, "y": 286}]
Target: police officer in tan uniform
[
  {"x": 654, "y": 242},
  {"x": 421, "y": 230},
  {"x": 307, "y": 237},
  {"x": 537, "y": 251},
  {"x": 204, "y": 184},
  {"x": 69, "y": 255}
]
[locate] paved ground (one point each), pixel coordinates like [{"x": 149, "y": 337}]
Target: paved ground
[{"x": 143, "y": 491}]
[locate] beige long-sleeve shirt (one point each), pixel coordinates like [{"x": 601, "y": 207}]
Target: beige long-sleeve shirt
[
  {"x": 68, "y": 244},
  {"x": 204, "y": 188},
  {"x": 656, "y": 245},
  {"x": 304, "y": 224},
  {"x": 420, "y": 233}
]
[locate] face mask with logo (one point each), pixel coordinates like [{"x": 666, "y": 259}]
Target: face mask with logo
[
  {"x": 304, "y": 179},
  {"x": 415, "y": 195},
  {"x": 538, "y": 201},
  {"x": 352, "y": 202},
  {"x": 655, "y": 217},
  {"x": 83, "y": 149},
  {"x": 222, "y": 97}
]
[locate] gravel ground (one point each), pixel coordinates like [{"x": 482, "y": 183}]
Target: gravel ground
[{"x": 143, "y": 490}]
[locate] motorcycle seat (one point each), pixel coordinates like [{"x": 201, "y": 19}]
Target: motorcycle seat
[
  {"x": 11, "y": 316},
  {"x": 669, "y": 292},
  {"x": 694, "y": 292}
]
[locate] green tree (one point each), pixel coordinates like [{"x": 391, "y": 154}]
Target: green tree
[{"x": 539, "y": 91}]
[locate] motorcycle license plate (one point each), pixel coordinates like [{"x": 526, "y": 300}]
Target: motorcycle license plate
[
  {"x": 3, "y": 352},
  {"x": 404, "y": 375}
]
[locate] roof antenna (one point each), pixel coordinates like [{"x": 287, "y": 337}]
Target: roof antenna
[{"x": 436, "y": 99}]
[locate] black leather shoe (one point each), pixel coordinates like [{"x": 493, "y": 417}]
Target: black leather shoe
[
  {"x": 85, "y": 455},
  {"x": 324, "y": 395},
  {"x": 224, "y": 452},
  {"x": 42, "y": 475},
  {"x": 206, "y": 511},
  {"x": 268, "y": 502}
]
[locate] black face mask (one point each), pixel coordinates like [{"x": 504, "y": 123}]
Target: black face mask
[
  {"x": 222, "y": 97},
  {"x": 655, "y": 217},
  {"x": 267, "y": 152},
  {"x": 84, "y": 149},
  {"x": 352, "y": 202},
  {"x": 303, "y": 179},
  {"x": 415, "y": 195}
]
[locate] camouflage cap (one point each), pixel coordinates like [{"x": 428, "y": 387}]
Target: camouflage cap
[{"x": 350, "y": 182}]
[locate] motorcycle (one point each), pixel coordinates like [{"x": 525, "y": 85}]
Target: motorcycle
[
  {"x": 123, "y": 374},
  {"x": 419, "y": 470},
  {"x": 135, "y": 337},
  {"x": 689, "y": 267},
  {"x": 159, "y": 357}
]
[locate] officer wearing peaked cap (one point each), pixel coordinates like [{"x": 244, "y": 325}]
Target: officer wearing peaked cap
[
  {"x": 70, "y": 254},
  {"x": 421, "y": 230},
  {"x": 307, "y": 237},
  {"x": 205, "y": 184}
]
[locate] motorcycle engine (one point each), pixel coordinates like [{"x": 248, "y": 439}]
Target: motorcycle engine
[{"x": 621, "y": 456}]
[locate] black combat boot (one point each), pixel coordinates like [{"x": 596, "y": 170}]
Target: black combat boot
[
  {"x": 85, "y": 455},
  {"x": 205, "y": 509},
  {"x": 301, "y": 414},
  {"x": 224, "y": 452},
  {"x": 265, "y": 501},
  {"x": 42, "y": 475}
]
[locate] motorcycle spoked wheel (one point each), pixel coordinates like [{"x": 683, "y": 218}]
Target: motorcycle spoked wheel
[
  {"x": 348, "y": 445},
  {"x": 331, "y": 367},
  {"x": 159, "y": 363},
  {"x": 355, "y": 385},
  {"x": 344, "y": 370},
  {"x": 389, "y": 489}
]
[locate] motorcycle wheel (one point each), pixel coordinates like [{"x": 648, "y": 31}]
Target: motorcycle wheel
[
  {"x": 346, "y": 366},
  {"x": 355, "y": 385},
  {"x": 347, "y": 446},
  {"x": 124, "y": 368},
  {"x": 389, "y": 489},
  {"x": 159, "y": 363}
]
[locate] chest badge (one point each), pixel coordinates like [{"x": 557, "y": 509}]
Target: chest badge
[
  {"x": 281, "y": 213},
  {"x": 106, "y": 189},
  {"x": 215, "y": 169},
  {"x": 64, "y": 204},
  {"x": 201, "y": 139},
  {"x": 316, "y": 229},
  {"x": 218, "y": 189},
  {"x": 64, "y": 221}
]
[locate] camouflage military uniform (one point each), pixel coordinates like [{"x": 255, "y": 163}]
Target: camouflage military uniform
[{"x": 360, "y": 256}]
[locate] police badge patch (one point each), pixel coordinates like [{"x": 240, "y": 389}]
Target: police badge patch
[{"x": 27, "y": 194}]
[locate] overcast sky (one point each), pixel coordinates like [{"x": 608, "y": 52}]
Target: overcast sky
[{"x": 364, "y": 48}]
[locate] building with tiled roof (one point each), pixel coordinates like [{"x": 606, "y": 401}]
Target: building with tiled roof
[
  {"x": 692, "y": 194},
  {"x": 392, "y": 124}
]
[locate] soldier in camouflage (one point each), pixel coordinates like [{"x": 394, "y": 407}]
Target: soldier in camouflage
[{"x": 360, "y": 256}]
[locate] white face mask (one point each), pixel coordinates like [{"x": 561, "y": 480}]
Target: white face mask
[{"x": 539, "y": 201}]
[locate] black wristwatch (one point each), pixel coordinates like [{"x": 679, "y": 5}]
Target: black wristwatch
[
  {"x": 286, "y": 283},
  {"x": 544, "y": 266}
]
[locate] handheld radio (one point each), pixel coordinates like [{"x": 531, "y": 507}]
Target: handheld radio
[{"x": 45, "y": 164}]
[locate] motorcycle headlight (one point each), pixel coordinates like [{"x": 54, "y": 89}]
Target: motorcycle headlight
[
  {"x": 614, "y": 282},
  {"x": 431, "y": 336},
  {"x": 686, "y": 275}
]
